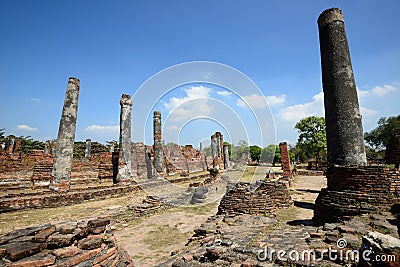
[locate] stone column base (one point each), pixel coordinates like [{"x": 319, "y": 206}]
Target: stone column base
[{"x": 62, "y": 186}]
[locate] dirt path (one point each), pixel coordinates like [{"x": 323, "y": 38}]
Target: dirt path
[
  {"x": 150, "y": 240},
  {"x": 304, "y": 193}
]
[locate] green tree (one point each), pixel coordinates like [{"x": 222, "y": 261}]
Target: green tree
[
  {"x": 28, "y": 144},
  {"x": 312, "y": 135},
  {"x": 240, "y": 151},
  {"x": 379, "y": 137},
  {"x": 2, "y": 134},
  {"x": 255, "y": 153}
]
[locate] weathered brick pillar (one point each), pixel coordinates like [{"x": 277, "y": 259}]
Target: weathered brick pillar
[
  {"x": 158, "y": 149},
  {"x": 53, "y": 147},
  {"x": 125, "y": 151},
  {"x": 112, "y": 147},
  {"x": 285, "y": 159},
  {"x": 17, "y": 147},
  {"x": 47, "y": 147},
  {"x": 88, "y": 148},
  {"x": 214, "y": 150},
  {"x": 10, "y": 144},
  {"x": 226, "y": 157},
  {"x": 65, "y": 140},
  {"x": 344, "y": 132}
]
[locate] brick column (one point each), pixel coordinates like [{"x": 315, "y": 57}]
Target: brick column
[
  {"x": 285, "y": 159},
  {"x": 226, "y": 156},
  {"x": 344, "y": 132},
  {"x": 125, "y": 153},
  {"x": 158, "y": 149},
  {"x": 61, "y": 173}
]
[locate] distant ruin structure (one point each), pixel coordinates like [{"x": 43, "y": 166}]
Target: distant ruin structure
[
  {"x": 125, "y": 153},
  {"x": 285, "y": 159},
  {"x": 344, "y": 131},
  {"x": 217, "y": 150},
  {"x": 65, "y": 140},
  {"x": 158, "y": 146},
  {"x": 88, "y": 148}
]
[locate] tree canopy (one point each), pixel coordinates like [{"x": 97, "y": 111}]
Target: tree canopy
[
  {"x": 312, "y": 135},
  {"x": 379, "y": 137},
  {"x": 255, "y": 153}
]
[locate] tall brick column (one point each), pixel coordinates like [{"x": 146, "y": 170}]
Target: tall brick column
[
  {"x": 285, "y": 159},
  {"x": 61, "y": 173},
  {"x": 125, "y": 151},
  {"x": 88, "y": 148},
  {"x": 158, "y": 149},
  {"x": 47, "y": 147},
  {"x": 344, "y": 131}
]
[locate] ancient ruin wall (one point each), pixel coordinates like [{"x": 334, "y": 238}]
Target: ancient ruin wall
[
  {"x": 265, "y": 199},
  {"x": 354, "y": 191}
]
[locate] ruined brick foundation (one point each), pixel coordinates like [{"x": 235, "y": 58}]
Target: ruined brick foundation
[
  {"x": 82, "y": 243},
  {"x": 355, "y": 191},
  {"x": 263, "y": 197}
]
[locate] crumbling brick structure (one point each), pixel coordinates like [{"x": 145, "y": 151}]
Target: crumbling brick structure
[
  {"x": 265, "y": 199},
  {"x": 73, "y": 243},
  {"x": 285, "y": 159}
]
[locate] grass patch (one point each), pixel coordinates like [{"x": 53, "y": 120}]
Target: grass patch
[
  {"x": 164, "y": 236},
  {"x": 288, "y": 214}
]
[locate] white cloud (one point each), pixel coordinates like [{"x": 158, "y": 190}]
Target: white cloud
[
  {"x": 383, "y": 90},
  {"x": 35, "y": 99},
  {"x": 224, "y": 93},
  {"x": 365, "y": 112},
  {"x": 24, "y": 127},
  {"x": 172, "y": 128},
  {"x": 195, "y": 103},
  {"x": 253, "y": 101},
  {"x": 276, "y": 100},
  {"x": 193, "y": 92},
  {"x": 296, "y": 112},
  {"x": 102, "y": 128}
]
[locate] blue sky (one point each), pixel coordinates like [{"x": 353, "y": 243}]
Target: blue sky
[{"x": 114, "y": 47}]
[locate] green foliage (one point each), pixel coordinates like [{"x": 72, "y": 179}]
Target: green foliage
[
  {"x": 95, "y": 148},
  {"x": 271, "y": 154},
  {"x": 379, "y": 137},
  {"x": 28, "y": 144},
  {"x": 240, "y": 151},
  {"x": 2, "y": 134},
  {"x": 312, "y": 137},
  {"x": 255, "y": 153}
]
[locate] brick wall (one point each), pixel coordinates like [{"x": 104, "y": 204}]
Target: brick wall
[
  {"x": 356, "y": 190},
  {"x": 269, "y": 195},
  {"x": 285, "y": 159}
]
